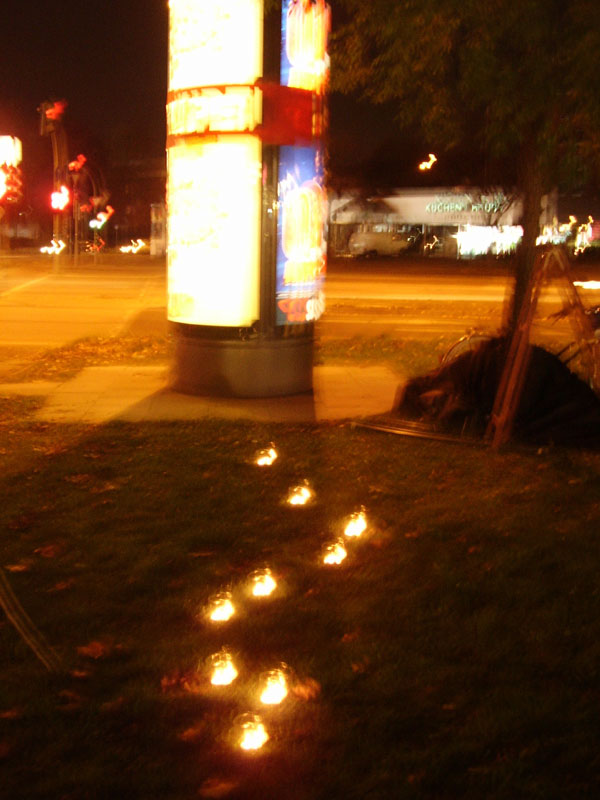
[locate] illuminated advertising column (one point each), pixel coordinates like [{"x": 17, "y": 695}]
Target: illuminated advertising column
[{"x": 245, "y": 200}]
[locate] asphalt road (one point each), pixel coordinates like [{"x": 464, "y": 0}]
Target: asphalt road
[{"x": 42, "y": 306}]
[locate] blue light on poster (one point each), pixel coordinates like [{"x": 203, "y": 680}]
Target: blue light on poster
[
  {"x": 305, "y": 28},
  {"x": 301, "y": 235}
]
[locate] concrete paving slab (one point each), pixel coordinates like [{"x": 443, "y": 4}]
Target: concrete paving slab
[{"x": 137, "y": 393}]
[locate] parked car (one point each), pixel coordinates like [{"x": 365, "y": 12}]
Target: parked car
[{"x": 379, "y": 243}]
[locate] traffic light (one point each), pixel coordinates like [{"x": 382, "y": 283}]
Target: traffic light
[
  {"x": 51, "y": 113},
  {"x": 60, "y": 199}
]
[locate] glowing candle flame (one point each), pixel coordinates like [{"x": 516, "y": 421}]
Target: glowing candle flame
[
  {"x": 254, "y": 734},
  {"x": 275, "y": 689},
  {"x": 335, "y": 553},
  {"x": 357, "y": 524},
  {"x": 263, "y": 583},
  {"x": 266, "y": 457},
  {"x": 221, "y": 608},
  {"x": 223, "y": 669},
  {"x": 299, "y": 495}
]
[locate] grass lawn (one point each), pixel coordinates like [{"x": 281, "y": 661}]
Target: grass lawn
[{"x": 455, "y": 653}]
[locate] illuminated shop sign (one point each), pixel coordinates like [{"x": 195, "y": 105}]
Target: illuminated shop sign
[
  {"x": 11, "y": 152},
  {"x": 305, "y": 29},
  {"x": 465, "y": 204},
  {"x": 301, "y": 240}
]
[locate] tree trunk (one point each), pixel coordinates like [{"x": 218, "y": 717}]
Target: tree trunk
[{"x": 531, "y": 185}]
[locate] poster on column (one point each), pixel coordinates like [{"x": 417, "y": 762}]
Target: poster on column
[
  {"x": 301, "y": 236},
  {"x": 305, "y": 28}
]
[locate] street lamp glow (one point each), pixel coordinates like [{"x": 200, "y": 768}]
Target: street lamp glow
[{"x": 425, "y": 165}]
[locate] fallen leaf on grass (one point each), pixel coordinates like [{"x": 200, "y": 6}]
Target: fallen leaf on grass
[
  {"x": 217, "y": 787},
  {"x": 202, "y": 554},
  {"x": 61, "y": 585},
  {"x": 193, "y": 733},
  {"x": 4, "y": 748},
  {"x": 112, "y": 705},
  {"x": 168, "y": 682},
  {"x": 307, "y": 689},
  {"x": 191, "y": 683},
  {"x": 181, "y": 681},
  {"x": 360, "y": 667},
  {"x": 350, "y": 637},
  {"x": 95, "y": 649},
  {"x": 108, "y": 486},
  {"x": 80, "y": 673},
  {"x": 78, "y": 479},
  {"x": 49, "y": 550},
  {"x": 70, "y": 701},
  {"x": 22, "y": 566},
  {"x": 11, "y": 713}
]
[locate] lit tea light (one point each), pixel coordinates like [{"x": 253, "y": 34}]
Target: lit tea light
[
  {"x": 275, "y": 687},
  {"x": 220, "y": 607},
  {"x": 357, "y": 524},
  {"x": 299, "y": 495},
  {"x": 264, "y": 458},
  {"x": 335, "y": 553},
  {"x": 263, "y": 582},
  {"x": 253, "y": 734},
  {"x": 223, "y": 669}
]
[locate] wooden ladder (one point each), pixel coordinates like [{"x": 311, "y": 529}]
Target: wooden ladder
[{"x": 550, "y": 265}]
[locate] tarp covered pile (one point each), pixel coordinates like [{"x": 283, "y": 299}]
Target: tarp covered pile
[{"x": 555, "y": 406}]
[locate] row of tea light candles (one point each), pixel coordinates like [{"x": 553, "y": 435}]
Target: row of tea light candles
[{"x": 274, "y": 683}]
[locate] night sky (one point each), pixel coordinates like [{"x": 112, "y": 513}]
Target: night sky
[{"x": 108, "y": 60}]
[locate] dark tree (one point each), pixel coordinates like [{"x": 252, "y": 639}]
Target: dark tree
[{"x": 514, "y": 86}]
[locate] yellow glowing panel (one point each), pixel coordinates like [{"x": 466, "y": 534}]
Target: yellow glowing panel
[
  {"x": 236, "y": 108},
  {"x": 11, "y": 152},
  {"x": 213, "y": 43},
  {"x": 214, "y": 199}
]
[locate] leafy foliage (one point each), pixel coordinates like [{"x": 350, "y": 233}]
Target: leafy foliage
[{"x": 506, "y": 78}]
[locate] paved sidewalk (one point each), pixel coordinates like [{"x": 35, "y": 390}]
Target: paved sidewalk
[{"x": 136, "y": 393}]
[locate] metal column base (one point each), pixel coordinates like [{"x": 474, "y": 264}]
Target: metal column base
[{"x": 237, "y": 368}]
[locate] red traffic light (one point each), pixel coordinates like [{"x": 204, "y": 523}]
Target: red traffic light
[{"x": 60, "y": 199}]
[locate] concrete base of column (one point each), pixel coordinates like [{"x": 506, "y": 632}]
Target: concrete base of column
[{"x": 241, "y": 368}]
